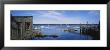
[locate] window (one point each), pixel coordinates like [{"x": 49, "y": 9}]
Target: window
[{"x": 27, "y": 24}]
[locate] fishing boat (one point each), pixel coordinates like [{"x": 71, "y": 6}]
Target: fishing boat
[{"x": 69, "y": 30}]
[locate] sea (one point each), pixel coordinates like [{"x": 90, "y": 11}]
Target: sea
[{"x": 58, "y": 29}]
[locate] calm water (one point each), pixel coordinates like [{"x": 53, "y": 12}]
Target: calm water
[{"x": 58, "y": 30}]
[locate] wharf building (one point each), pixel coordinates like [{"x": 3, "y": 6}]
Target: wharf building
[{"x": 21, "y": 27}]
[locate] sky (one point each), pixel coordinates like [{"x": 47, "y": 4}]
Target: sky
[{"x": 60, "y": 16}]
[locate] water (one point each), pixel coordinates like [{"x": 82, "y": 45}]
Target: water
[{"x": 59, "y": 31}]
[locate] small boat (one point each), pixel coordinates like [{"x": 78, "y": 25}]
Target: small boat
[
  {"x": 69, "y": 30},
  {"x": 75, "y": 30}
]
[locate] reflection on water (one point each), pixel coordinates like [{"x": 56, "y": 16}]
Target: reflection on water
[{"x": 59, "y": 31}]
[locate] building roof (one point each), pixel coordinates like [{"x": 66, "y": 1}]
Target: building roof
[{"x": 21, "y": 16}]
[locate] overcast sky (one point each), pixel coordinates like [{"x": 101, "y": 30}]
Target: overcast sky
[{"x": 60, "y": 16}]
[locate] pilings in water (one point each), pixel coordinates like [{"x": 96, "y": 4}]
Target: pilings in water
[
  {"x": 93, "y": 31},
  {"x": 83, "y": 30}
]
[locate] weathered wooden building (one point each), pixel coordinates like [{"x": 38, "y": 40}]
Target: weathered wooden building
[{"x": 21, "y": 27}]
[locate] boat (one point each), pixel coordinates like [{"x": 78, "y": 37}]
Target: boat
[{"x": 69, "y": 30}]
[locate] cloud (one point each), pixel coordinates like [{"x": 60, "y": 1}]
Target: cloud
[
  {"x": 94, "y": 12},
  {"x": 54, "y": 17}
]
